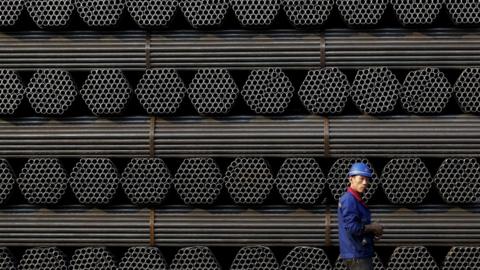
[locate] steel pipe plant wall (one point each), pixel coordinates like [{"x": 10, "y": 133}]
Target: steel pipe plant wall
[{"x": 208, "y": 135}]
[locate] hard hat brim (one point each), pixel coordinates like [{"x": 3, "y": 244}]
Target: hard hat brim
[{"x": 366, "y": 174}]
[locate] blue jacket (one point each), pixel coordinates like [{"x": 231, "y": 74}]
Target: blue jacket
[{"x": 352, "y": 216}]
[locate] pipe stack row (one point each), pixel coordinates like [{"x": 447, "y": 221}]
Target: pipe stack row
[
  {"x": 265, "y": 91},
  {"x": 201, "y": 14},
  {"x": 229, "y": 226},
  {"x": 199, "y": 181},
  {"x": 242, "y": 136},
  {"x": 394, "y": 48},
  {"x": 301, "y": 257}
]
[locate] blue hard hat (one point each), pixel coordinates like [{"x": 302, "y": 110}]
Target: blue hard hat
[{"x": 360, "y": 168}]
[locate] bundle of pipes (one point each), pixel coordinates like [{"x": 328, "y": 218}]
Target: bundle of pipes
[
  {"x": 255, "y": 257},
  {"x": 412, "y": 257},
  {"x": 375, "y": 90},
  {"x": 300, "y": 181},
  {"x": 324, "y": 91},
  {"x": 362, "y": 12},
  {"x": 154, "y": 13},
  {"x": 51, "y": 91},
  {"x": 200, "y": 13},
  {"x": 462, "y": 258},
  {"x": 242, "y": 136},
  {"x": 8, "y": 180},
  {"x": 146, "y": 181},
  {"x": 304, "y": 257},
  {"x": 106, "y": 91},
  {"x": 213, "y": 91},
  {"x": 100, "y": 13},
  {"x": 259, "y": 257},
  {"x": 94, "y": 180},
  {"x": 425, "y": 91},
  {"x": 418, "y": 12},
  {"x": 43, "y": 181},
  {"x": 192, "y": 257},
  {"x": 143, "y": 258},
  {"x": 92, "y": 258},
  {"x": 198, "y": 181},
  {"x": 406, "y": 180},
  {"x": 455, "y": 180},
  {"x": 43, "y": 258},
  {"x": 267, "y": 91},
  {"x": 249, "y": 180},
  {"x": 255, "y": 13},
  {"x": 303, "y": 13},
  {"x": 431, "y": 225},
  {"x": 50, "y": 13},
  {"x": 466, "y": 94},
  {"x": 161, "y": 91},
  {"x": 240, "y": 49}
]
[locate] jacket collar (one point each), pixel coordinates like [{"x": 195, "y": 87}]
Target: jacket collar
[{"x": 357, "y": 196}]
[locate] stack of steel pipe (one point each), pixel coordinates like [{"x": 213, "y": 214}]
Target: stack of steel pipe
[
  {"x": 375, "y": 90},
  {"x": 100, "y": 13},
  {"x": 212, "y": 91},
  {"x": 300, "y": 136},
  {"x": 194, "y": 258},
  {"x": 50, "y": 13},
  {"x": 299, "y": 257},
  {"x": 300, "y": 181},
  {"x": 11, "y": 91},
  {"x": 43, "y": 181},
  {"x": 256, "y": 257},
  {"x": 406, "y": 181},
  {"x": 94, "y": 180},
  {"x": 457, "y": 180},
  {"x": 240, "y": 49},
  {"x": 149, "y": 14},
  {"x": 200, "y": 13},
  {"x": 259, "y": 13},
  {"x": 176, "y": 226},
  {"x": 198, "y": 181},
  {"x": 160, "y": 91},
  {"x": 362, "y": 12},
  {"x": 51, "y": 91},
  {"x": 220, "y": 132},
  {"x": 412, "y": 257},
  {"x": 143, "y": 258},
  {"x": 146, "y": 181}
]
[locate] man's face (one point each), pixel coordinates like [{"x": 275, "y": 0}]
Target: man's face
[{"x": 358, "y": 183}]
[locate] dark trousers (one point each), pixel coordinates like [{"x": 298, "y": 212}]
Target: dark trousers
[{"x": 359, "y": 264}]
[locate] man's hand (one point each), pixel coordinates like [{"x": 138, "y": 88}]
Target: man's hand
[{"x": 374, "y": 228}]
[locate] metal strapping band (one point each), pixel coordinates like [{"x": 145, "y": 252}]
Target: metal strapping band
[
  {"x": 326, "y": 137},
  {"x": 151, "y": 137},
  {"x": 152, "y": 227},
  {"x": 148, "y": 38},
  {"x": 328, "y": 222},
  {"x": 322, "y": 51}
]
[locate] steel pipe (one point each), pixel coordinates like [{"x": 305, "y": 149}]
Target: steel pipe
[
  {"x": 431, "y": 225},
  {"x": 240, "y": 49}
]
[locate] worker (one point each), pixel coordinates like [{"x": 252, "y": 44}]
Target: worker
[{"x": 356, "y": 232}]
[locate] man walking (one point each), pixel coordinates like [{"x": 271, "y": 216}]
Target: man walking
[{"x": 355, "y": 229}]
